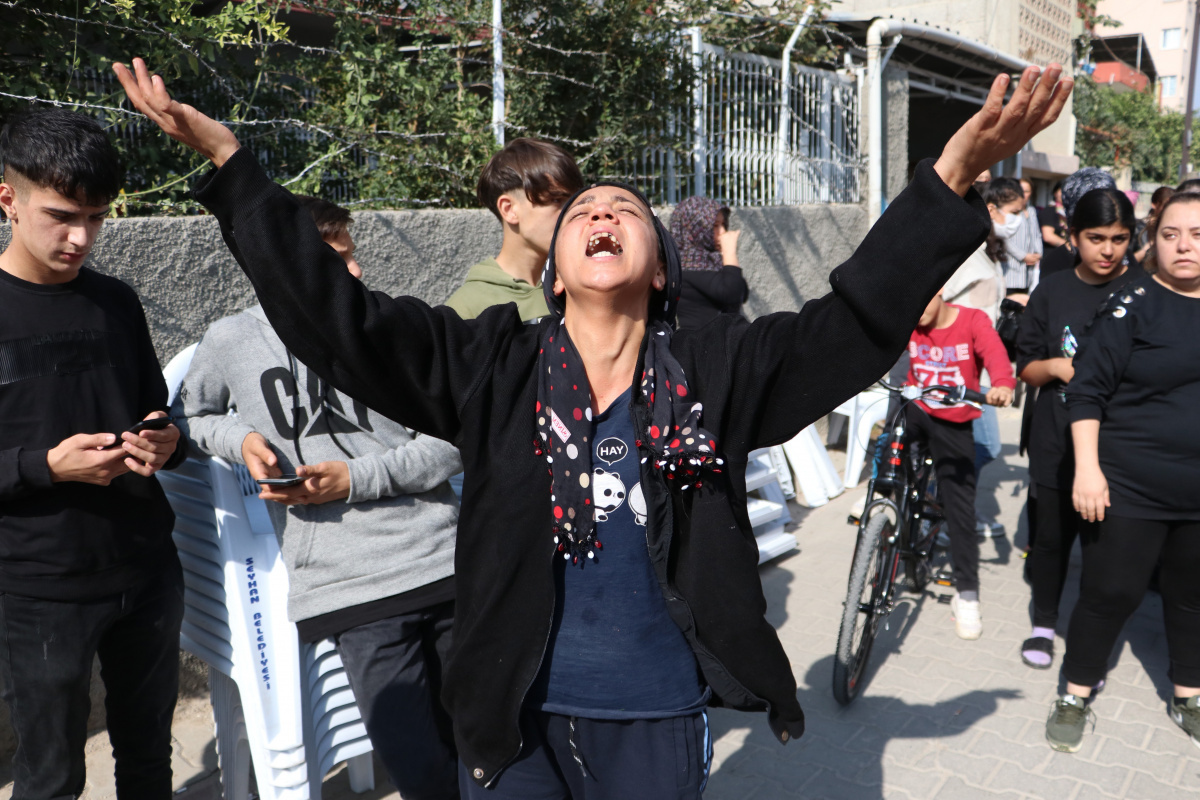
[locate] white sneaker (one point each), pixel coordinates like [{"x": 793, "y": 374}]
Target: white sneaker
[
  {"x": 988, "y": 527},
  {"x": 968, "y": 623}
]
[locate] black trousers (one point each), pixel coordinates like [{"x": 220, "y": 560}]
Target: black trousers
[
  {"x": 638, "y": 759},
  {"x": 1058, "y": 525},
  {"x": 46, "y": 663},
  {"x": 952, "y": 446},
  {"x": 395, "y": 669},
  {"x": 1119, "y": 556}
]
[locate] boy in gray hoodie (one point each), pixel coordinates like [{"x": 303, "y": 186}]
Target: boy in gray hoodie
[{"x": 367, "y": 537}]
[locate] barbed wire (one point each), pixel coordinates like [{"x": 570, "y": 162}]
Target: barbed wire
[
  {"x": 346, "y": 138},
  {"x": 73, "y": 104}
]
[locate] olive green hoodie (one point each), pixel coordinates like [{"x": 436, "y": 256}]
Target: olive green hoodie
[{"x": 488, "y": 285}]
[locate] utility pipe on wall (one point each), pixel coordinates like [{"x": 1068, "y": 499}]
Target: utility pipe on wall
[
  {"x": 497, "y": 74},
  {"x": 879, "y": 30},
  {"x": 785, "y": 108},
  {"x": 699, "y": 140}
]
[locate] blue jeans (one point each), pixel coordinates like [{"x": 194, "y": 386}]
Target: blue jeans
[{"x": 987, "y": 436}]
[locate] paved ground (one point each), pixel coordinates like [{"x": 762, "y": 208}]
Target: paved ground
[{"x": 941, "y": 718}]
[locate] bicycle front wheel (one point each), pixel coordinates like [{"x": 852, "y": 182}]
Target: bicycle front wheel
[{"x": 866, "y": 603}]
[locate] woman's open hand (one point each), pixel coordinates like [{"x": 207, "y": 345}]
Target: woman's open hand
[
  {"x": 999, "y": 131},
  {"x": 1090, "y": 493},
  {"x": 181, "y": 122}
]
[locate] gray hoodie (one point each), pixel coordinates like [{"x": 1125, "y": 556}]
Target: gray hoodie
[{"x": 396, "y": 530}]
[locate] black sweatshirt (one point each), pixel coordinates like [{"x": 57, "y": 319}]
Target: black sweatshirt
[
  {"x": 709, "y": 292},
  {"x": 1053, "y": 324},
  {"x": 475, "y": 383},
  {"x": 75, "y": 358},
  {"x": 1138, "y": 372}
]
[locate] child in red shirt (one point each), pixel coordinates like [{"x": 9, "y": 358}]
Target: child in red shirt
[{"x": 950, "y": 347}]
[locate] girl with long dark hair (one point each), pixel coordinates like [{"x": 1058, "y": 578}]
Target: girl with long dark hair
[{"x": 1057, "y": 313}]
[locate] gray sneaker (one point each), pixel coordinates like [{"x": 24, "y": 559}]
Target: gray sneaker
[
  {"x": 1187, "y": 716},
  {"x": 1064, "y": 727}
]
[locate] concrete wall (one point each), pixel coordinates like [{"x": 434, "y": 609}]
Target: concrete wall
[
  {"x": 895, "y": 132},
  {"x": 186, "y": 278}
]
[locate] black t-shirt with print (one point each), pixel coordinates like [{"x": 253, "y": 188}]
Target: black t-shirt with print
[
  {"x": 1058, "y": 313},
  {"x": 614, "y": 651}
]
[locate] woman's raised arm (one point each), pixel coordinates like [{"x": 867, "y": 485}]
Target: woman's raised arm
[{"x": 408, "y": 361}]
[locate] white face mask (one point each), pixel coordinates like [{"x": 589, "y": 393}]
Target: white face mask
[{"x": 1006, "y": 229}]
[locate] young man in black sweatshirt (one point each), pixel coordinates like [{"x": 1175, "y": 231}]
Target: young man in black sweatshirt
[
  {"x": 87, "y": 565},
  {"x": 557, "y": 583}
]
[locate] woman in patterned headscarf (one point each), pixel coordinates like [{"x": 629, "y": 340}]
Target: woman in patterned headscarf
[{"x": 712, "y": 280}]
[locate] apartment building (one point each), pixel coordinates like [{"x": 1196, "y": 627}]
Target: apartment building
[
  {"x": 939, "y": 99},
  {"x": 1167, "y": 28}
]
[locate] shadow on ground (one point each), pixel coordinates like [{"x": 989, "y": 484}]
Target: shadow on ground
[{"x": 842, "y": 752}]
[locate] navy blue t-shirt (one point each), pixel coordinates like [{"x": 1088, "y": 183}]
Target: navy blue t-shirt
[{"x": 614, "y": 652}]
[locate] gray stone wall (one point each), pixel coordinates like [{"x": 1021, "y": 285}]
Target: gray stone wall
[{"x": 186, "y": 278}]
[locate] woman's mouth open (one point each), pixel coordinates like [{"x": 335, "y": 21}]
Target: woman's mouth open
[{"x": 603, "y": 245}]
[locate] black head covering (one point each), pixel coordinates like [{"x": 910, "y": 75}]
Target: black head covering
[{"x": 664, "y": 303}]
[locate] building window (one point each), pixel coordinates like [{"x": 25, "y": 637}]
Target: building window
[
  {"x": 1168, "y": 85},
  {"x": 1171, "y": 37}
]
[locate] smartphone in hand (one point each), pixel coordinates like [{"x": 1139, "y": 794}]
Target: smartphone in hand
[
  {"x": 156, "y": 424},
  {"x": 282, "y": 480}
]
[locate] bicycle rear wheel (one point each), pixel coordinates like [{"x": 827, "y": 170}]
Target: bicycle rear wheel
[{"x": 866, "y": 603}]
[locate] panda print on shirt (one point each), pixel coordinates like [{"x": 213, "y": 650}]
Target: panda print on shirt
[
  {"x": 609, "y": 486},
  {"x": 608, "y": 493}
]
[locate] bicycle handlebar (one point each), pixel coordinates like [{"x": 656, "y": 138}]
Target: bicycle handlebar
[{"x": 953, "y": 394}]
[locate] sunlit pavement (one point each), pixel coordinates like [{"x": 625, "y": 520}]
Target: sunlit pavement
[{"x": 940, "y": 717}]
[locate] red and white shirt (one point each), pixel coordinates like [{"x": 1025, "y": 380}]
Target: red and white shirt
[{"x": 955, "y": 356}]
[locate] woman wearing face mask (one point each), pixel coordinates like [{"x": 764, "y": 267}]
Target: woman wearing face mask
[
  {"x": 1021, "y": 236},
  {"x": 1058, "y": 311},
  {"x": 712, "y": 280},
  {"x": 1134, "y": 404}
]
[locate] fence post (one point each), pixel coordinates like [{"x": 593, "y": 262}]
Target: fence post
[
  {"x": 699, "y": 140},
  {"x": 497, "y": 73},
  {"x": 785, "y": 109},
  {"x": 826, "y": 139}
]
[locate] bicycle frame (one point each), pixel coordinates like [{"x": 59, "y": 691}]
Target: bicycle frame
[
  {"x": 903, "y": 490},
  {"x": 900, "y": 490}
]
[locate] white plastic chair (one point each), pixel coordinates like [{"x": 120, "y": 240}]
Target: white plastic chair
[
  {"x": 274, "y": 708},
  {"x": 815, "y": 473},
  {"x": 863, "y": 410},
  {"x": 768, "y": 512},
  {"x": 176, "y": 369}
]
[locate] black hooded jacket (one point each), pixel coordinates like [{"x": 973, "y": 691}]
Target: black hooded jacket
[{"x": 474, "y": 383}]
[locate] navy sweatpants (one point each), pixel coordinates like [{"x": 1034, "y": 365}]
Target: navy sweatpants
[{"x": 644, "y": 759}]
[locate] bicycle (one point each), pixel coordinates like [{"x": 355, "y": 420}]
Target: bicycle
[{"x": 897, "y": 525}]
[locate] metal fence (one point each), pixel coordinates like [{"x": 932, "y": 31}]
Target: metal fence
[
  {"x": 731, "y": 135},
  {"x": 726, "y": 143}
]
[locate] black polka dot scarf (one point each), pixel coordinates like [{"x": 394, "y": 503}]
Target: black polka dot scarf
[{"x": 682, "y": 450}]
